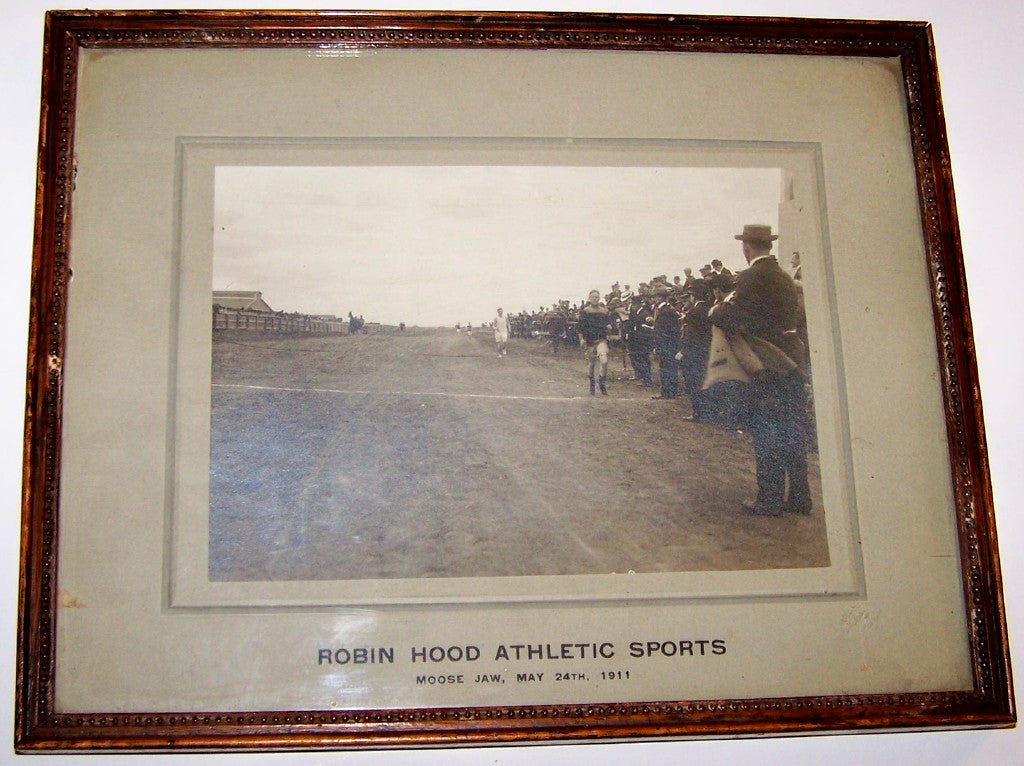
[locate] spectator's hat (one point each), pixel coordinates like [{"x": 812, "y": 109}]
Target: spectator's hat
[
  {"x": 700, "y": 290},
  {"x": 757, "y": 232},
  {"x": 706, "y": 268},
  {"x": 721, "y": 282},
  {"x": 660, "y": 290}
]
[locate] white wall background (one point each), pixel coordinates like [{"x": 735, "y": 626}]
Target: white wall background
[{"x": 980, "y": 61}]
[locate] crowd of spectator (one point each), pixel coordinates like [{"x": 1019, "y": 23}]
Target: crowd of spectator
[{"x": 663, "y": 332}]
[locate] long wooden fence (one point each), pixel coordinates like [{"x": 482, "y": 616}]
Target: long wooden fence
[{"x": 266, "y": 321}]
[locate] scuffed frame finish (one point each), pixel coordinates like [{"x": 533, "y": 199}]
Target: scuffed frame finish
[{"x": 38, "y": 727}]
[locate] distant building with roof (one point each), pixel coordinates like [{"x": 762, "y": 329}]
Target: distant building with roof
[
  {"x": 240, "y": 300},
  {"x": 246, "y": 310}
]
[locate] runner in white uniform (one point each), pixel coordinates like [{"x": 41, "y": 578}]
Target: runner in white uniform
[{"x": 501, "y": 332}]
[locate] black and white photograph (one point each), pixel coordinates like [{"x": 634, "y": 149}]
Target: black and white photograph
[{"x": 474, "y": 371}]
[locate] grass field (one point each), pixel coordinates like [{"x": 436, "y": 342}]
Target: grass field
[{"x": 425, "y": 454}]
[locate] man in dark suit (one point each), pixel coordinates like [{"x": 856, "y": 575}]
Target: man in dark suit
[
  {"x": 639, "y": 339},
  {"x": 717, "y": 269},
  {"x": 764, "y": 306},
  {"x": 666, "y": 343},
  {"x": 693, "y": 355}
]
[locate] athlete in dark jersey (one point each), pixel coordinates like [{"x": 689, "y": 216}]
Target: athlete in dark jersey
[{"x": 593, "y": 329}]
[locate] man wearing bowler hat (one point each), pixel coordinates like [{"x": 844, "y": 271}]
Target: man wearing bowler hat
[{"x": 764, "y": 308}]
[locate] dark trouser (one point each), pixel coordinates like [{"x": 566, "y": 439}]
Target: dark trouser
[
  {"x": 641, "y": 362},
  {"x": 778, "y": 412},
  {"x": 701, "y": 405},
  {"x": 691, "y": 368},
  {"x": 668, "y": 372},
  {"x": 728, "y": 403}
]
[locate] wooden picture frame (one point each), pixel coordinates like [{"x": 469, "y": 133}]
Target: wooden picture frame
[{"x": 52, "y": 713}]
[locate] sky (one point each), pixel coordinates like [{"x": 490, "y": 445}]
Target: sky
[{"x": 435, "y": 245}]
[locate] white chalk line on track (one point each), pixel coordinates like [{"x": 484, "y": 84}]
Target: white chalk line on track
[{"x": 422, "y": 393}]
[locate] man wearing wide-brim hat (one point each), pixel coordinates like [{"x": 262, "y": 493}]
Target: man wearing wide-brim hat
[{"x": 762, "y": 315}]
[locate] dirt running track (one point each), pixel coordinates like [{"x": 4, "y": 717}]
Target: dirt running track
[{"x": 424, "y": 454}]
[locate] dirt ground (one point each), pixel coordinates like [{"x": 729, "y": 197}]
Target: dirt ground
[{"x": 425, "y": 454}]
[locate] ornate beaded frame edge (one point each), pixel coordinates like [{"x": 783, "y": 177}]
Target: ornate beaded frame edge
[{"x": 38, "y": 727}]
